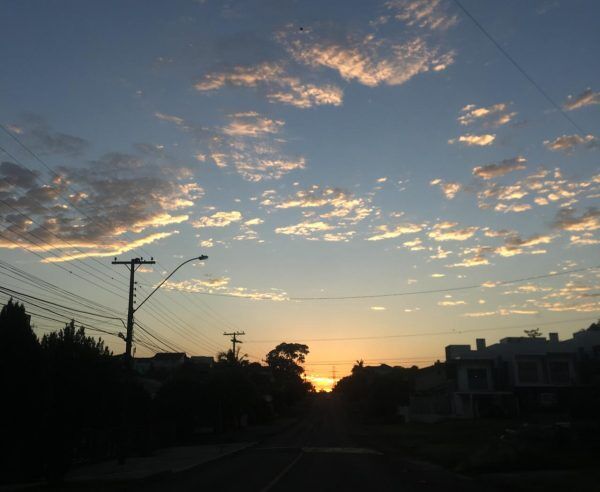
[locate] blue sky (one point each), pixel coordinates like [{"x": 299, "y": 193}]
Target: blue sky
[{"x": 310, "y": 149}]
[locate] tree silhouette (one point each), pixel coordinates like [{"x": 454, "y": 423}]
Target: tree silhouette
[
  {"x": 82, "y": 393},
  {"x": 20, "y": 380},
  {"x": 533, "y": 333},
  {"x": 287, "y": 357},
  {"x": 284, "y": 361}
]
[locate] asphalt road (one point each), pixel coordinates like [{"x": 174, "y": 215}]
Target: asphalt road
[{"x": 317, "y": 454}]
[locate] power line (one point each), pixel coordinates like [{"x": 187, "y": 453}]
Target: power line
[
  {"x": 519, "y": 67},
  {"x": 8, "y": 291},
  {"x": 423, "y": 334},
  {"x": 448, "y": 289},
  {"x": 63, "y": 240}
]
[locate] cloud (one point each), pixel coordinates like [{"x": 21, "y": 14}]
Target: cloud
[
  {"x": 495, "y": 115},
  {"x": 471, "y": 140},
  {"x": 218, "y": 219},
  {"x": 86, "y": 210},
  {"x": 251, "y": 124},
  {"x": 279, "y": 85},
  {"x": 491, "y": 171},
  {"x": 377, "y": 308},
  {"x": 449, "y": 189},
  {"x": 513, "y": 207},
  {"x": 428, "y": 14},
  {"x": 476, "y": 260},
  {"x": 385, "y": 232},
  {"x": 170, "y": 118},
  {"x": 586, "y": 239},
  {"x": 451, "y": 303},
  {"x": 479, "y": 314},
  {"x": 304, "y": 228},
  {"x": 39, "y": 136},
  {"x": 414, "y": 245},
  {"x": 514, "y": 244},
  {"x": 337, "y": 208},
  {"x": 586, "y": 98},
  {"x": 365, "y": 58},
  {"x": 249, "y": 143},
  {"x": 220, "y": 286},
  {"x": 567, "y": 143},
  {"x": 256, "y": 221},
  {"x": 440, "y": 254},
  {"x": 567, "y": 220},
  {"x": 446, "y": 231}
]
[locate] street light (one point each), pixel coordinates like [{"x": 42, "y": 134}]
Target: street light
[
  {"x": 201, "y": 258},
  {"x": 133, "y": 265}
]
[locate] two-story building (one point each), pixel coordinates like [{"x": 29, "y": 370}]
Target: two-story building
[{"x": 517, "y": 375}]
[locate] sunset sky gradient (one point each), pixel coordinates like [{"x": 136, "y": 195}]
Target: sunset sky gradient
[{"x": 310, "y": 149}]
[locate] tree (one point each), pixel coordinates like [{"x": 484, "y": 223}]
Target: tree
[
  {"x": 228, "y": 357},
  {"x": 533, "y": 333},
  {"x": 21, "y": 383},
  {"x": 285, "y": 363},
  {"x": 287, "y": 357},
  {"x": 82, "y": 393},
  {"x": 594, "y": 326}
]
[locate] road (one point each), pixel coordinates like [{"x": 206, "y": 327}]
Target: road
[{"x": 317, "y": 454}]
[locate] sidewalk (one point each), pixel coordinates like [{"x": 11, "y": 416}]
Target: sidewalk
[{"x": 169, "y": 460}]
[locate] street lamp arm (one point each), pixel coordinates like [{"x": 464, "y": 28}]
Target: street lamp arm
[{"x": 201, "y": 257}]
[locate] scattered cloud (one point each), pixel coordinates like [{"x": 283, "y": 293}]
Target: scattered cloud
[
  {"x": 449, "y": 189},
  {"x": 220, "y": 286},
  {"x": 471, "y": 140},
  {"x": 334, "y": 208},
  {"x": 495, "y": 115},
  {"x": 567, "y": 143},
  {"x": 251, "y": 124},
  {"x": 491, "y": 171},
  {"x": 585, "y": 239},
  {"x": 366, "y": 58},
  {"x": 451, "y": 303},
  {"x": 44, "y": 140},
  {"x": 586, "y": 98},
  {"x": 567, "y": 220},
  {"x": 306, "y": 228},
  {"x": 513, "y": 207},
  {"x": 428, "y": 14},
  {"x": 385, "y": 232},
  {"x": 447, "y": 231},
  {"x": 170, "y": 118},
  {"x": 378, "y": 308},
  {"x": 279, "y": 85},
  {"x": 115, "y": 195},
  {"x": 218, "y": 219}
]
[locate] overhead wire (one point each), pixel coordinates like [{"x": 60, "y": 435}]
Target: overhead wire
[{"x": 518, "y": 66}]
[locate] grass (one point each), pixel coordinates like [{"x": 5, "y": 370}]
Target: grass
[{"x": 447, "y": 443}]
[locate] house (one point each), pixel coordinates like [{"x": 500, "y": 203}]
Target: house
[
  {"x": 202, "y": 361},
  {"x": 161, "y": 362},
  {"x": 518, "y": 375}
]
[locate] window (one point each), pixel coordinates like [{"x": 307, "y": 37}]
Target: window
[
  {"x": 528, "y": 371},
  {"x": 559, "y": 371},
  {"x": 477, "y": 379}
]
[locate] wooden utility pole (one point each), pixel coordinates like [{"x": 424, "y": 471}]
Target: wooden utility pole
[
  {"x": 133, "y": 265},
  {"x": 235, "y": 340}
]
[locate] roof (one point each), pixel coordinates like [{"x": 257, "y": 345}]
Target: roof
[{"x": 169, "y": 355}]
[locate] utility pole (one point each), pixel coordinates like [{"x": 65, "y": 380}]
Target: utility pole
[
  {"x": 133, "y": 265},
  {"x": 235, "y": 340}
]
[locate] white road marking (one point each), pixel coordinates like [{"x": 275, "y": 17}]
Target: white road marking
[
  {"x": 340, "y": 450},
  {"x": 281, "y": 474}
]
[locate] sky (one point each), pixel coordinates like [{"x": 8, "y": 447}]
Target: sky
[{"x": 311, "y": 150}]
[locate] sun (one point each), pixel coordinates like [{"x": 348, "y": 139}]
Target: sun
[{"x": 321, "y": 383}]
